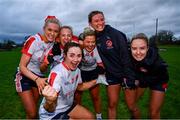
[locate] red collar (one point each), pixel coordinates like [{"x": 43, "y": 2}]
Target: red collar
[
  {"x": 61, "y": 47},
  {"x": 65, "y": 66},
  {"x": 90, "y": 53},
  {"x": 40, "y": 36}
]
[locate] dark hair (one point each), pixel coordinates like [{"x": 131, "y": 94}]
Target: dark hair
[
  {"x": 67, "y": 27},
  {"x": 80, "y": 37},
  {"x": 92, "y": 13},
  {"x": 140, "y": 36},
  {"x": 70, "y": 45}
]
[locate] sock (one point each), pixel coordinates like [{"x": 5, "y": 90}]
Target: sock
[{"x": 98, "y": 115}]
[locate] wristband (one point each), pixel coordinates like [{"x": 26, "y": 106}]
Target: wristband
[{"x": 36, "y": 79}]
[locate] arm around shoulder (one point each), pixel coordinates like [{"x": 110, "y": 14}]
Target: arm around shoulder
[{"x": 86, "y": 85}]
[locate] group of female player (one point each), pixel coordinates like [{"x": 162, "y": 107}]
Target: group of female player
[{"x": 99, "y": 55}]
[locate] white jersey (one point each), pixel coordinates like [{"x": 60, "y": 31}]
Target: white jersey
[
  {"x": 36, "y": 48},
  {"x": 65, "y": 82},
  {"x": 90, "y": 60}
]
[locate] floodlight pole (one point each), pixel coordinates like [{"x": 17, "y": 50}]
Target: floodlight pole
[{"x": 156, "y": 29}]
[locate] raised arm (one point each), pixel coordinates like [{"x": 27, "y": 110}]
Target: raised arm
[{"x": 50, "y": 95}]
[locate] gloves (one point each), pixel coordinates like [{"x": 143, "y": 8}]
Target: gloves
[
  {"x": 101, "y": 80},
  {"x": 129, "y": 84},
  {"x": 100, "y": 70},
  {"x": 56, "y": 49},
  {"x": 50, "y": 59}
]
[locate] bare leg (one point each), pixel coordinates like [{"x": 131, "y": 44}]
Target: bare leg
[
  {"x": 113, "y": 99},
  {"x": 157, "y": 98},
  {"x": 29, "y": 99},
  {"x": 139, "y": 93},
  {"x": 78, "y": 97},
  {"x": 130, "y": 97},
  {"x": 80, "y": 112},
  {"x": 94, "y": 91}
]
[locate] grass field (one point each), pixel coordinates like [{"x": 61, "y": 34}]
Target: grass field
[{"x": 10, "y": 104}]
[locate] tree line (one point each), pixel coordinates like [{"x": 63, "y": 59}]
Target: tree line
[
  {"x": 7, "y": 45},
  {"x": 163, "y": 37}
]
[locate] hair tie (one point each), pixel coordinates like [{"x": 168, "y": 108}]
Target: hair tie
[{"x": 50, "y": 17}]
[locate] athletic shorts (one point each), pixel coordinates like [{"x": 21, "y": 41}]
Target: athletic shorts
[
  {"x": 158, "y": 87},
  {"x": 64, "y": 115},
  {"x": 89, "y": 75},
  {"x": 111, "y": 80},
  {"x": 23, "y": 83}
]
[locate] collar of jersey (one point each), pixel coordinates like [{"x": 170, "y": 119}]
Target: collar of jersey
[
  {"x": 66, "y": 66},
  {"x": 89, "y": 53},
  {"x": 40, "y": 36},
  {"x": 61, "y": 46}
]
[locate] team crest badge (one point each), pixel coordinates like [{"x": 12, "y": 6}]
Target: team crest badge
[
  {"x": 142, "y": 69},
  {"x": 109, "y": 44}
]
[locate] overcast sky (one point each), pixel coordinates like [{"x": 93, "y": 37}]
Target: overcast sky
[{"x": 20, "y": 18}]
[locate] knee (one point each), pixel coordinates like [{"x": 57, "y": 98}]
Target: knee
[
  {"x": 133, "y": 109},
  {"x": 90, "y": 115},
  {"x": 112, "y": 105}
]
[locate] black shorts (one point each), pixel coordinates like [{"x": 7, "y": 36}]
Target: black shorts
[
  {"x": 112, "y": 80},
  {"x": 23, "y": 83},
  {"x": 159, "y": 83},
  {"x": 64, "y": 115},
  {"x": 158, "y": 87},
  {"x": 89, "y": 75}
]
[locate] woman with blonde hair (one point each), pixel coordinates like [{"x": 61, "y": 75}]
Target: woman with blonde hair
[{"x": 29, "y": 79}]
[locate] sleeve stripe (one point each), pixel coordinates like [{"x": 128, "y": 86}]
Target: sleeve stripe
[
  {"x": 27, "y": 45},
  {"x": 52, "y": 78}
]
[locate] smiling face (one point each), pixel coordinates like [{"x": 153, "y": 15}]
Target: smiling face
[
  {"x": 51, "y": 31},
  {"x": 89, "y": 43},
  {"x": 73, "y": 57},
  {"x": 65, "y": 36},
  {"x": 139, "y": 49},
  {"x": 98, "y": 22}
]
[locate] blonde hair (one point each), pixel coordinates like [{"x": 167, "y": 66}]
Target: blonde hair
[
  {"x": 52, "y": 19},
  {"x": 88, "y": 32}
]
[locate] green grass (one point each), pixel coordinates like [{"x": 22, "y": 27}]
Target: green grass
[
  {"x": 172, "y": 101},
  {"x": 11, "y": 107},
  {"x": 9, "y": 102}
]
